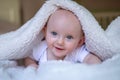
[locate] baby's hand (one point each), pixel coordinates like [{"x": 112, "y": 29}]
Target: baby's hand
[{"x": 34, "y": 65}]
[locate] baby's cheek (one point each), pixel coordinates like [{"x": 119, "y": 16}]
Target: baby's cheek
[
  {"x": 71, "y": 47},
  {"x": 50, "y": 41}
]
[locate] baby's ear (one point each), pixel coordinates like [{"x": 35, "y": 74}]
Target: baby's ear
[
  {"x": 44, "y": 30},
  {"x": 81, "y": 42}
]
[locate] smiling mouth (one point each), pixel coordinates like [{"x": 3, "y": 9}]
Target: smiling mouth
[{"x": 59, "y": 48}]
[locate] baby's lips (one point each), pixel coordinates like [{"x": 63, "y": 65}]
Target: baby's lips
[{"x": 59, "y": 48}]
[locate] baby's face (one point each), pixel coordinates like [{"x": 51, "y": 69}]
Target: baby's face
[{"x": 63, "y": 33}]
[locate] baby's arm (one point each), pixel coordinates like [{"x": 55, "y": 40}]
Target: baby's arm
[
  {"x": 92, "y": 59},
  {"x": 30, "y": 62}
]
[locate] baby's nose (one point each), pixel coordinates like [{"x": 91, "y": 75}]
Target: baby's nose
[{"x": 60, "y": 41}]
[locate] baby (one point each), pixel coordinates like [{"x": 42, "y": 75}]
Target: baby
[{"x": 64, "y": 40}]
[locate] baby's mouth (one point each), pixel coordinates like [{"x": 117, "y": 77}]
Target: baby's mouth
[{"x": 59, "y": 48}]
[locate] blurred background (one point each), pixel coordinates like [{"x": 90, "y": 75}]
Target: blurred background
[{"x": 14, "y": 13}]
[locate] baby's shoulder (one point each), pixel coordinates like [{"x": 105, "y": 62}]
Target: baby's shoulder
[{"x": 92, "y": 59}]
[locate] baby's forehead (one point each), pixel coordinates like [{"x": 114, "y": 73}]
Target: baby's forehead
[
  {"x": 63, "y": 13},
  {"x": 64, "y": 19}
]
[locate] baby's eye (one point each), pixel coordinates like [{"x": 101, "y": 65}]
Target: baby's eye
[
  {"x": 69, "y": 37},
  {"x": 54, "y": 33}
]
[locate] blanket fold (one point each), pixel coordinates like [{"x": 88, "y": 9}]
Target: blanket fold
[
  {"x": 105, "y": 44},
  {"x": 18, "y": 44}
]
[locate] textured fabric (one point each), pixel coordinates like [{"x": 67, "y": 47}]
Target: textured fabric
[
  {"x": 40, "y": 54},
  {"x": 105, "y": 44},
  {"x": 26, "y": 37}
]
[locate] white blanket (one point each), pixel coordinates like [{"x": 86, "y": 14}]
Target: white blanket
[
  {"x": 105, "y": 44},
  {"x": 57, "y": 70}
]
